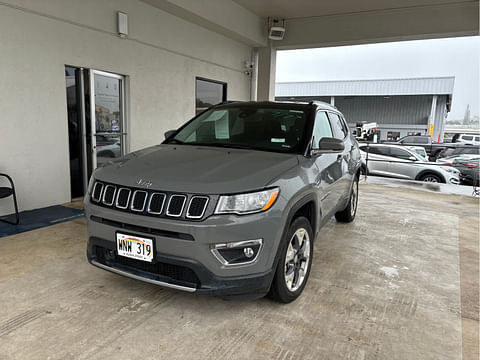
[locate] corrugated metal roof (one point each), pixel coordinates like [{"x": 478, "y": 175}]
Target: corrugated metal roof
[{"x": 412, "y": 86}]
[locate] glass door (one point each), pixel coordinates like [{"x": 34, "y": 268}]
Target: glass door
[{"x": 107, "y": 115}]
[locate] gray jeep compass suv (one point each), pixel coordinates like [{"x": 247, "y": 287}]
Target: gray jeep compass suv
[{"x": 230, "y": 204}]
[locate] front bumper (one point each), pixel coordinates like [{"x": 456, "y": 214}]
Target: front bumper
[
  {"x": 183, "y": 250},
  {"x": 454, "y": 180},
  {"x": 178, "y": 273}
]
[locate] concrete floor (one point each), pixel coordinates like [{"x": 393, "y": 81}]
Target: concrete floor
[{"x": 401, "y": 282}]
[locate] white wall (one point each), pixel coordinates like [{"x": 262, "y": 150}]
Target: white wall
[{"x": 162, "y": 57}]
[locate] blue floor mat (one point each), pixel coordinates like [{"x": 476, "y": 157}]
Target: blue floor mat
[{"x": 35, "y": 219}]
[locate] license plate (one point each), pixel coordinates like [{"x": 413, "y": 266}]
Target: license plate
[{"x": 135, "y": 247}]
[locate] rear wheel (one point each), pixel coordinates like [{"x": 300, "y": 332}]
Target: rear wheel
[
  {"x": 348, "y": 214},
  {"x": 295, "y": 262}
]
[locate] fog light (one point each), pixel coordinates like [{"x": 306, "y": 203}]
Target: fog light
[
  {"x": 237, "y": 253},
  {"x": 248, "y": 251}
]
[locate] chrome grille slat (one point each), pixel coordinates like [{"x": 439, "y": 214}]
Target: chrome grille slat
[
  {"x": 106, "y": 193},
  {"x": 176, "y": 212},
  {"x": 95, "y": 189},
  {"x": 135, "y": 194},
  {"x": 150, "y": 208},
  {"x": 196, "y": 198},
  {"x": 119, "y": 193}
]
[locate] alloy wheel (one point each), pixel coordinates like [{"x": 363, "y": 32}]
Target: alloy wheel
[
  {"x": 297, "y": 259},
  {"x": 354, "y": 198}
]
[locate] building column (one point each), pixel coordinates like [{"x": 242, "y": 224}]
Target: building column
[
  {"x": 267, "y": 60},
  {"x": 431, "y": 118}
]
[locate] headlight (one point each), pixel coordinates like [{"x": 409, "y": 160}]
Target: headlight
[
  {"x": 247, "y": 203},
  {"x": 449, "y": 169}
]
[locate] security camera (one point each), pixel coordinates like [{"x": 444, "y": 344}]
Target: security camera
[
  {"x": 249, "y": 64},
  {"x": 276, "y": 29}
]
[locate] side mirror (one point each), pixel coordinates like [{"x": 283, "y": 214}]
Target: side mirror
[
  {"x": 412, "y": 158},
  {"x": 329, "y": 145},
  {"x": 169, "y": 133}
]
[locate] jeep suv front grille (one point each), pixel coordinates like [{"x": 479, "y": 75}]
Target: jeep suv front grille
[{"x": 153, "y": 203}]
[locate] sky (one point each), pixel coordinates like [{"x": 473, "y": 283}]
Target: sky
[{"x": 457, "y": 57}]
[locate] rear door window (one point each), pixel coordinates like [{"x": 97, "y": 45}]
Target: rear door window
[
  {"x": 377, "y": 150},
  {"x": 399, "y": 153},
  {"x": 339, "y": 129}
]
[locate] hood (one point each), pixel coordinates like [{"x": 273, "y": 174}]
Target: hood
[{"x": 197, "y": 169}]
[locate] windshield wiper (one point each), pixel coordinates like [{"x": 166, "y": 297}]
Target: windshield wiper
[
  {"x": 174, "y": 141},
  {"x": 225, "y": 145}
]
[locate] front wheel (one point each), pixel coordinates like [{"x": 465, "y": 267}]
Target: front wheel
[
  {"x": 431, "y": 178},
  {"x": 348, "y": 214},
  {"x": 295, "y": 262}
]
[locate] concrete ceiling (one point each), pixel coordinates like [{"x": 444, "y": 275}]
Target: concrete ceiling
[
  {"x": 292, "y": 9},
  {"x": 318, "y": 23}
]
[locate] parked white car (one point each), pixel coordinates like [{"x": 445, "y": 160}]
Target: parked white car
[
  {"x": 400, "y": 162},
  {"x": 109, "y": 151},
  {"x": 469, "y": 139}
]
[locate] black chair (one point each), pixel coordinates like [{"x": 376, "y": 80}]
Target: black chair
[{"x": 6, "y": 192}]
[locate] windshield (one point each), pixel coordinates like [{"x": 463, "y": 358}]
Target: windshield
[{"x": 268, "y": 129}]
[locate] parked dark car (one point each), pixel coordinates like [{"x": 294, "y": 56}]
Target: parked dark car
[
  {"x": 458, "y": 150},
  {"x": 469, "y": 171}
]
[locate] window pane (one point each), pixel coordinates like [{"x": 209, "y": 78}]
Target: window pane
[
  {"x": 407, "y": 139},
  {"x": 379, "y": 150},
  {"x": 321, "y": 128},
  {"x": 209, "y": 93},
  {"x": 338, "y": 129},
  {"x": 107, "y": 104},
  {"x": 264, "y": 129},
  {"x": 399, "y": 153},
  {"x": 393, "y": 135},
  {"x": 420, "y": 140}
]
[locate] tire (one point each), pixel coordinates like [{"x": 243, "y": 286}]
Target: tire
[
  {"x": 431, "y": 178},
  {"x": 363, "y": 170},
  {"x": 286, "y": 288},
  {"x": 348, "y": 214}
]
